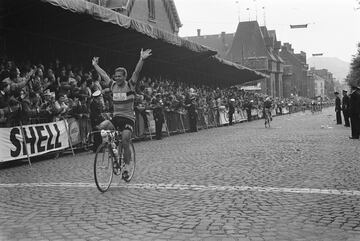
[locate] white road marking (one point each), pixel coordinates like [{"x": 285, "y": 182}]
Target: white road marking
[{"x": 189, "y": 187}]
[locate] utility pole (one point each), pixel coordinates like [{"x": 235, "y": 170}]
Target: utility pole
[
  {"x": 248, "y": 9},
  {"x": 238, "y": 9},
  {"x": 255, "y": 10},
  {"x": 264, "y": 16}
]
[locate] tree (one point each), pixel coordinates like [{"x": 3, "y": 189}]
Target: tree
[{"x": 354, "y": 76}]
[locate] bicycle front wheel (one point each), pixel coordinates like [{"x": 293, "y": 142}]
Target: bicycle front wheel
[{"x": 103, "y": 167}]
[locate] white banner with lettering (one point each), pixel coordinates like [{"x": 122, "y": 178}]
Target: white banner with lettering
[{"x": 39, "y": 139}]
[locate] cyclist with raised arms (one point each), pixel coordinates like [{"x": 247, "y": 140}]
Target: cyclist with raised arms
[{"x": 123, "y": 92}]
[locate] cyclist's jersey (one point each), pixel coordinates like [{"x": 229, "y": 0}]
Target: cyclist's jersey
[
  {"x": 123, "y": 100},
  {"x": 267, "y": 104}
]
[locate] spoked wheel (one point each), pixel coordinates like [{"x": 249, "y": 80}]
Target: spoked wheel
[
  {"x": 103, "y": 167},
  {"x": 128, "y": 169}
]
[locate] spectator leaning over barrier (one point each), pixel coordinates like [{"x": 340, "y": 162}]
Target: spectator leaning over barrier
[
  {"x": 62, "y": 105},
  {"x": 15, "y": 81},
  {"x": 47, "y": 109},
  {"x": 4, "y": 94},
  {"x": 123, "y": 99}
]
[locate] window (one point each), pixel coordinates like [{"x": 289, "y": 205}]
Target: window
[{"x": 151, "y": 6}]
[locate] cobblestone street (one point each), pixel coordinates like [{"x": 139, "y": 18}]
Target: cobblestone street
[{"x": 298, "y": 180}]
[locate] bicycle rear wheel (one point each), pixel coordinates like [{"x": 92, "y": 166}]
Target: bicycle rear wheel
[
  {"x": 103, "y": 167},
  {"x": 267, "y": 121},
  {"x": 129, "y": 171}
]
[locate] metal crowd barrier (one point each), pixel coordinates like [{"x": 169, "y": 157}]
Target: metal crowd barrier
[{"x": 79, "y": 130}]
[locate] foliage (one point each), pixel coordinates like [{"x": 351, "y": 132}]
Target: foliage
[{"x": 354, "y": 76}]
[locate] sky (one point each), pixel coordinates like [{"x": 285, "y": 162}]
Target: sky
[{"x": 333, "y": 25}]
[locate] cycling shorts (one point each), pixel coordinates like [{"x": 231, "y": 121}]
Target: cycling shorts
[{"x": 123, "y": 123}]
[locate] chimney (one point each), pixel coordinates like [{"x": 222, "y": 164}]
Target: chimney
[
  {"x": 223, "y": 37},
  {"x": 288, "y": 47},
  {"x": 198, "y": 32}
]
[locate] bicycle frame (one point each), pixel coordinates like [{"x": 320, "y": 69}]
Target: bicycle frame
[{"x": 267, "y": 114}]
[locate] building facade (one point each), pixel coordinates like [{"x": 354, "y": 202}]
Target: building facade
[
  {"x": 257, "y": 48},
  {"x": 298, "y": 82},
  {"x": 329, "y": 81},
  {"x": 158, "y": 13},
  {"x": 220, "y": 42},
  {"x": 251, "y": 46}
]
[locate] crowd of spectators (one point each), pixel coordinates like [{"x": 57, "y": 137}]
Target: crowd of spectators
[{"x": 43, "y": 91}]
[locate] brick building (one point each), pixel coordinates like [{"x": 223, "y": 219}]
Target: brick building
[
  {"x": 220, "y": 42},
  {"x": 295, "y": 78},
  {"x": 329, "y": 80},
  {"x": 160, "y": 13},
  {"x": 254, "y": 47}
]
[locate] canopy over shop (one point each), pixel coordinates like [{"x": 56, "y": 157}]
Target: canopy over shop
[{"x": 75, "y": 31}]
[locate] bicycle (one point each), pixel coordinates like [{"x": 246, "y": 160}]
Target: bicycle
[
  {"x": 110, "y": 160},
  {"x": 267, "y": 117}
]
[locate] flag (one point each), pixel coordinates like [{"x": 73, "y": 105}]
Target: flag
[{"x": 299, "y": 26}]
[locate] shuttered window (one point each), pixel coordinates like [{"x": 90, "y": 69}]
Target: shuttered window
[{"x": 151, "y": 6}]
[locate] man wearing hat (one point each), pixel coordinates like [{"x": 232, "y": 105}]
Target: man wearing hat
[
  {"x": 190, "y": 105},
  {"x": 158, "y": 114},
  {"x": 338, "y": 108},
  {"x": 96, "y": 108},
  {"x": 123, "y": 96},
  {"x": 345, "y": 108},
  {"x": 231, "y": 111},
  {"x": 354, "y": 111}
]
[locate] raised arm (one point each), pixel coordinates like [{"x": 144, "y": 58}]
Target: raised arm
[
  {"x": 143, "y": 55},
  {"x": 100, "y": 71},
  {"x": 24, "y": 81}
]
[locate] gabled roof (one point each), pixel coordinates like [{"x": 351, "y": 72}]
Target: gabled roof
[
  {"x": 248, "y": 42},
  {"x": 272, "y": 35},
  {"x": 174, "y": 11},
  {"x": 219, "y": 42},
  {"x": 289, "y": 57},
  {"x": 270, "y": 40}
]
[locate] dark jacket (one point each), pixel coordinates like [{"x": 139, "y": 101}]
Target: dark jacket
[
  {"x": 345, "y": 103},
  {"x": 231, "y": 108},
  {"x": 158, "y": 111},
  {"x": 355, "y": 102},
  {"x": 337, "y": 104},
  {"x": 96, "y": 109}
]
